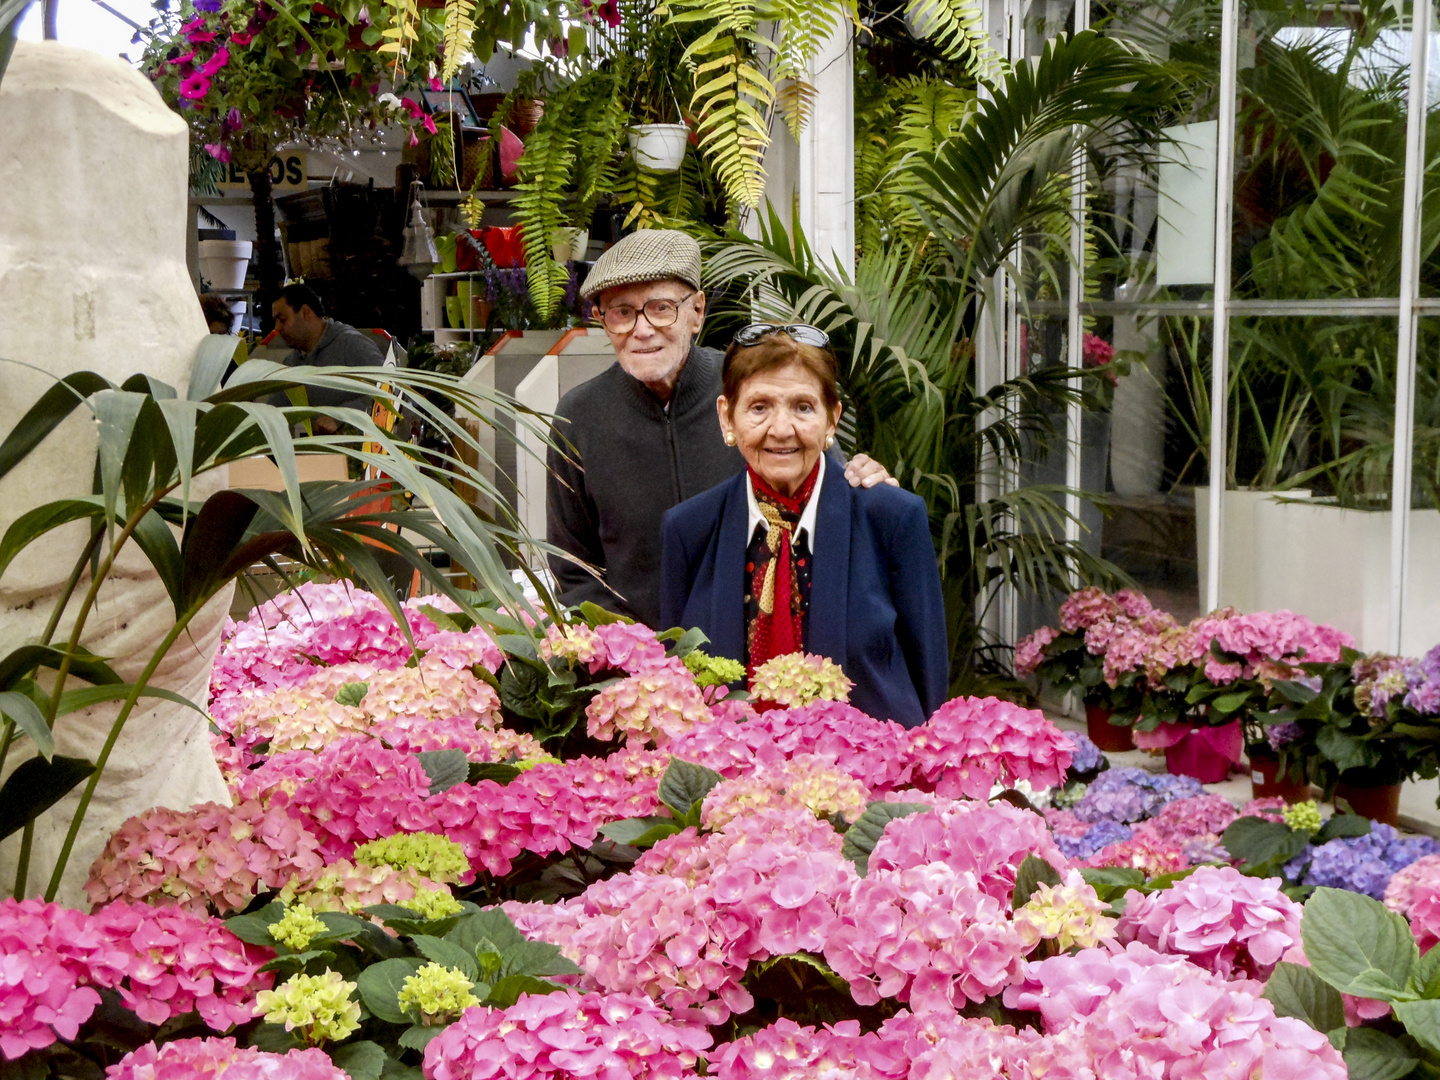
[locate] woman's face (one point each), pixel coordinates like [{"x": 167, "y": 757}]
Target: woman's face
[{"x": 780, "y": 423}]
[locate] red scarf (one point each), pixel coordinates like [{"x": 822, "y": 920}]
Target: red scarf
[{"x": 778, "y": 625}]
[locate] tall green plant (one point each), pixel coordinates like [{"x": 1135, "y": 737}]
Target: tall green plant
[{"x": 154, "y": 442}]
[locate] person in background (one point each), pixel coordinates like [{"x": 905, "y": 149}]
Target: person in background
[
  {"x": 218, "y": 316},
  {"x": 641, "y": 436},
  {"x": 786, "y": 557},
  {"x": 322, "y": 342}
]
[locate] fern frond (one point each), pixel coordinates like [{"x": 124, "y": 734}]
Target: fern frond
[{"x": 459, "y": 29}]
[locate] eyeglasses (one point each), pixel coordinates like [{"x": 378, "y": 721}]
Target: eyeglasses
[
  {"x": 802, "y": 333},
  {"x": 659, "y": 313}
]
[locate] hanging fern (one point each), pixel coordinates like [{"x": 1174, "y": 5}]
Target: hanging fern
[
  {"x": 957, "y": 28},
  {"x": 459, "y": 30},
  {"x": 402, "y": 32}
]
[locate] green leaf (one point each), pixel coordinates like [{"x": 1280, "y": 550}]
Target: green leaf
[
  {"x": 1370, "y": 1054},
  {"x": 274, "y": 1039},
  {"x": 394, "y": 1070},
  {"x": 212, "y": 357},
  {"x": 364, "y": 1060},
  {"x": 685, "y": 784},
  {"x": 595, "y": 615},
  {"x": 254, "y": 928},
  {"x": 638, "y": 831},
  {"x": 1225, "y": 704},
  {"x": 688, "y": 642},
  {"x": 446, "y": 768},
  {"x": 1346, "y": 751},
  {"x": 293, "y": 962},
  {"x": 536, "y": 958},
  {"x": 1256, "y": 841},
  {"x": 33, "y": 1066},
  {"x": 1425, "y": 976},
  {"x": 447, "y": 954},
  {"x": 28, "y": 718},
  {"x": 1422, "y": 1022},
  {"x": 1031, "y": 873},
  {"x": 53, "y": 406},
  {"x": 1343, "y": 825},
  {"x": 154, "y": 537},
  {"x": 33, "y": 524},
  {"x": 861, "y": 837},
  {"x": 510, "y": 989},
  {"x": 418, "y": 1036},
  {"x": 35, "y": 786},
  {"x": 501, "y": 773},
  {"x": 352, "y": 693},
  {"x": 1347, "y": 935},
  {"x": 810, "y": 960},
  {"x": 1297, "y": 991},
  {"x": 380, "y": 985},
  {"x": 490, "y": 927},
  {"x": 85, "y": 696}
]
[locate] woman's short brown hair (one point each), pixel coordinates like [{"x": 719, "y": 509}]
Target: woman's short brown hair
[{"x": 776, "y": 351}]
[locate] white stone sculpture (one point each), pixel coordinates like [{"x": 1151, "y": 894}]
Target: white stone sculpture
[{"x": 93, "y": 171}]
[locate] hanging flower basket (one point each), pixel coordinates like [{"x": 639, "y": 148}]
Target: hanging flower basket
[{"x": 659, "y": 147}]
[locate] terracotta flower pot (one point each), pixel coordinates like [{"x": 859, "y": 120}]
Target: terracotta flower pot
[
  {"x": 1379, "y": 802},
  {"x": 1267, "y": 782},
  {"x": 1110, "y": 738}
]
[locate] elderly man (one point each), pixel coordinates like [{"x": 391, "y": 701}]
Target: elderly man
[
  {"x": 321, "y": 342},
  {"x": 644, "y": 434}
]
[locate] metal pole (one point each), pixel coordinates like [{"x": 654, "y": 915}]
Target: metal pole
[
  {"x": 1408, "y": 324},
  {"x": 1220, "y": 350},
  {"x": 1075, "y": 330}
]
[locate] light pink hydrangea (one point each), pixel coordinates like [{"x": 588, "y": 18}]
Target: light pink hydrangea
[
  {"x": 990, "y": 841},
  {"x": 629, "y": 647},
  {"x": 1152, "y": 855},
  {"x": 462, "y": 649},
  {"x": 624, "y": 785},
  {"x": 1084, "y": 608},
  {"x": 345, "y": 886},
  {"x": 566, "y": 1035},
  {"x": 1030, "y": 650},
  {"x": 1412, "y": 884},
  {"x": 1229, "y": 924},
  {"x": 1138, "y": 1013},
  {"x": 210, "y": 857},
  {"x": 805, "y": 782},
  {"x": 692, "y": 857},
  {"x": 417, "y": 734},
  {"x": 970, "y": 744},
  {"x": 221, "y": 1059},
  {"x": 655, "y": 707},
  {"x": 927, "y": 935},
  {"x": 875, "y": 752}
]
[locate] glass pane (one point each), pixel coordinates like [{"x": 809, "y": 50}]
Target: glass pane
[
  {"x": 1320, "y": 150},
  {"x": 1308, "y": 467},
  {"x": 1420, "y": 625}
]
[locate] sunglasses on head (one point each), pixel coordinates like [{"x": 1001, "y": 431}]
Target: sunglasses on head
[{"x": 803, "y": 333}]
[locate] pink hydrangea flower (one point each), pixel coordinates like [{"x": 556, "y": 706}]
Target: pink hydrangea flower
[
  {"x": 970, "y": 744},
  {"x": 214, "y": 1059},
  {"x": 654, "y": 707},
  {"x": 1030, "y": 650}
]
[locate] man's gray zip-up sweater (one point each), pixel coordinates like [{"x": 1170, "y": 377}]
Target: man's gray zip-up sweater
[{"x": 631, "y": 461}]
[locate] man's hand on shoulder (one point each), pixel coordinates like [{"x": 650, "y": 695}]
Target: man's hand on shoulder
[{"x": 864, "y": 471}]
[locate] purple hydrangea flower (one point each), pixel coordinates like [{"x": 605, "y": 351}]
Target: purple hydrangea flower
[
  {"x": 1277, "y": 735},
  {"x": 1101, "y": 834},
  {"x": 1133, "y": 794},
  {"x": 1362, "y": 864},
  {"x": 1086, "y": 756}
]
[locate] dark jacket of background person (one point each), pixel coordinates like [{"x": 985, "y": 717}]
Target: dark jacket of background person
[
  {"x": 631, "y": 461},
  {"x": 341, "y": 345},
  {"x": 875, "y": 602}
]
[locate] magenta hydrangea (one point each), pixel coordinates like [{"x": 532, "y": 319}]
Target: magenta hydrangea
[
  {"x": 970, "y": 744},
  {"x": 221, "y": 1059},
  {"x": 1230, "y": 924},
  {"x": 567, "y": 1036}
]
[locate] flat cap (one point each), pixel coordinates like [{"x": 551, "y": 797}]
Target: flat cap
[{"x": 646, "y": 255}]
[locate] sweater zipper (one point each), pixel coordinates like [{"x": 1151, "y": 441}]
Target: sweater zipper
[{"x": 674, "y": 456}]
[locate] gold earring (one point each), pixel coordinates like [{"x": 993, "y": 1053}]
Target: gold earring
[
  {"x": 729, "y": 438},
  {"x": 829, "y": 441}
]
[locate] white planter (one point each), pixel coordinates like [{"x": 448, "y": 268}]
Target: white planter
[
  {"x": 569, "y": 243},
  {"x": 1328, "y": 563},
  {"x": 223, "y": 262},
  {"x": 659, "y": 147}
]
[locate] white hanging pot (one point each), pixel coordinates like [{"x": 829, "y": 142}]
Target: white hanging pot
[
  {"x": 659, "y": 147},
  {"x": 223, "y": 262}
]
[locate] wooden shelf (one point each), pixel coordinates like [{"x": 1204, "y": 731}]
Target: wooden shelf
[{"x": 454, "y": 198}]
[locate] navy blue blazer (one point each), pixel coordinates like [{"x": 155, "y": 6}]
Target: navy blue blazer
[{"x": 875, "y": 602}]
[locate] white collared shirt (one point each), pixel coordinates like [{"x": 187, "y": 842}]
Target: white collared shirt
[{"x": 806, "y": 525}]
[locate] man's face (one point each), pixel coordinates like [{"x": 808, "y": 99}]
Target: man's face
[
  {"x": 654, "y": 355},
  {"x": 297, "y": 328}
]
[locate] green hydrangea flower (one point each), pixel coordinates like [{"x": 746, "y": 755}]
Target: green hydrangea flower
[
  {"x": 713, "y": 670},
  {"x": 433, "y": 904},
  {"x": 1303, "y": 817},
  {"x": 526, "y": 764},
  {"x": 799, "y": 679},
  {"x": 297, "y": 927},
  {"x": 437, "y": 994},
  {"x": 317, "y": 1007},
  {"x": 434, "y": 856}
]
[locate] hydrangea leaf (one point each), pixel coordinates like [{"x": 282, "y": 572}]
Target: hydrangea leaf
[
  {"x": 380, "y": 985},
  {"x": 341, "y": 926},
  {"x": 445, "y": 768},
  {"x": 536, "y": 958},
  {"x": 1348, "y": 936},
  {"x": 685, "y": 784},
  {"x": 352, "y": 694},
  {"x": 508, "y": 990},
  {"x": 274, "y": 1039},
  {"x": 1297, "y": 991},
  {"x": 1346, "y": 751},
  {"x": 1343, "y": 825},
  {"x": 1422, "y": 1022},
  {"x": 1373, "y": 1055},
  {"x": 640, "y": 832},
  {"x": 362, "y": 1060},
  {"x": 490, "y": 927},
  {"x": 498, "y": 771},
  {"x": 254, "y": 928},
  {"x": 293, "y": 962},
  {"x": 1425, "y": 976},
  {"x": 394, "y": 1070},
  {"x": 596, "y": 615},
  {"x": 1031, "y": 873},
  {"x": 418, "y": 1036},
  {"x": 447, "y": 954},
  {"x": 861, "y": 837},
  {"x": 1257, "y": 842}
]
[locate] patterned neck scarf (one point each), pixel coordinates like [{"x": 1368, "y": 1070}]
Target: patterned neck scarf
[{"x": 777, "y": 628}]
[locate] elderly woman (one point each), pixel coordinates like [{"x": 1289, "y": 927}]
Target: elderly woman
[{"x": 787, "y": 557}]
